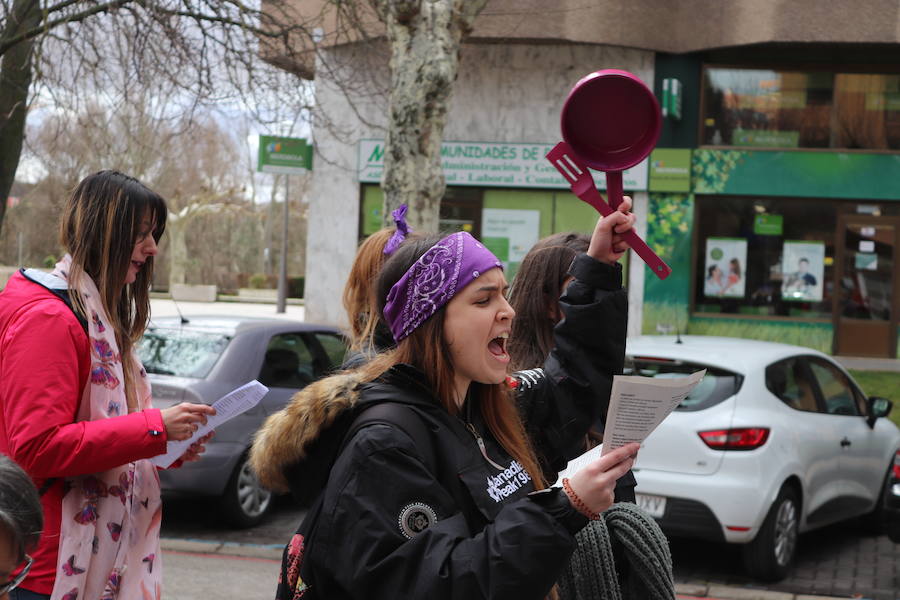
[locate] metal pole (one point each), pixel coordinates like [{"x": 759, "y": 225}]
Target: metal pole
[{"x": 282, "y": 275}]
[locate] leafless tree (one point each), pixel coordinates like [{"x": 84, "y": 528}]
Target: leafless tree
[
  {"x": 211, "y": 48},
  {"x": 72, "y": 52}
]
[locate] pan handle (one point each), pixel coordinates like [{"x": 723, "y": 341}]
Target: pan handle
[{"x": 614, "y": 191}]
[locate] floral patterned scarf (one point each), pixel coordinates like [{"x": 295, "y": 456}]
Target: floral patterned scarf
[{"x": 109, "y": 535}]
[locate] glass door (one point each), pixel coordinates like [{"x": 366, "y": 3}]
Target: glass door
[{"x": 865, "y": 302}]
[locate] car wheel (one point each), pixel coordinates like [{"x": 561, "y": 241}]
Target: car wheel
[
  {"x": 245, "y": 502},
  {"x": 770, "y": 555}
]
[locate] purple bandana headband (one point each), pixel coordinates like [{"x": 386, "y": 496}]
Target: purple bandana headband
[
  {"x": 399, "y": 215},
  {"x": 444, "y": 269}
]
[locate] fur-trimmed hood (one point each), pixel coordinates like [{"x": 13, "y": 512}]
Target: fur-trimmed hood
[
  {"x": 288, "y": 436},
  {"x": 296, "y": 447}
]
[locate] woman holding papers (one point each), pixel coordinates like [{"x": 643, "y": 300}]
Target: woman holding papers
[
  {"x": 450, "y": 500},
  {"x": 75, "y": 401},
  {"x": 542, "y": 278}
]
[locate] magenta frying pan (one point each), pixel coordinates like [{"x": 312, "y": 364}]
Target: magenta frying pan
[{"x": 610, "y": 122}]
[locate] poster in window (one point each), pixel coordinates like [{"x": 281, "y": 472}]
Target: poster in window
[
  {"x": 510, "y": 234},
  {"x": 803, "y": 271},
  {"x": 726, "y": 263}
]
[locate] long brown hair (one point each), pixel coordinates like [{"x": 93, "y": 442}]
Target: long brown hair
[
  {"x": 359, "y": 297},
  {"x": 100, "y": 225},
  {"x": 534, "y": 296},
  {"x": 426, "y": 348}
]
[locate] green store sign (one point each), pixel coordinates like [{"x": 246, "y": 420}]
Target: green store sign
[
  {"x": 670, "y": 170},
  {"x": 810, "y": 174},
  {"x": 291, "y": 156}
]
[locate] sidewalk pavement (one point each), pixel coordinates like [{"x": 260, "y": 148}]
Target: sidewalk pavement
[{"x": 178, "y": 571}]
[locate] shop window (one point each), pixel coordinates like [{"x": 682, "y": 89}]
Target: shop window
[
  {"x": 800, "y": 109},
  {"x": 765, "y": 257}
]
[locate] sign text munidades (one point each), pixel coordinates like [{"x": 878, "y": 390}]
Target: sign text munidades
[{"x": 489, "y": 164}]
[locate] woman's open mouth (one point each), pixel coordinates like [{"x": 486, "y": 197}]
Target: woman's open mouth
[{"x": 497, "y": 347}]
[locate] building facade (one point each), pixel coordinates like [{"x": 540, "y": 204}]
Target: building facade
[{"x": 773, "y": 192}]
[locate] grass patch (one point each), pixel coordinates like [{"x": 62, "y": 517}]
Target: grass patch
[{"x": 881, "y": 383}]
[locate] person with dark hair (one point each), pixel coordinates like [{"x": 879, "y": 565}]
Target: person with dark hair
[
  {"x": 21, "y": 522},
  {"x": 75, "y": 404},
  {"x": 540, "y": 282},
  {"x": 444, "y": 493},
  {"x": 368, "y": 334},
  {"x": 535, "y": 293}
]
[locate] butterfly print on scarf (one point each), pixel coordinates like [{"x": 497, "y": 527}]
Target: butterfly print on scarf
[
  {"x": 111, "y": 591},
  {"x": 97, "y": 322},
  {"x": 115, "y": 530},
  {"x": 102, "y": 367},
  {"x": 69, "y": 567},
  {"x": 121, "y": 490},
  {"x": 149, "y": 560},
  {"x": 95, "y": 545},
  {"x": 71, "y": 595},
  {"x": 93, "y": 490}
]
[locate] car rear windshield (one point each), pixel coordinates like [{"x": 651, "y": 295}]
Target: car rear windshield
[
  {"x": 717, "y": 385},
  {"x": 180, "y": 352}
]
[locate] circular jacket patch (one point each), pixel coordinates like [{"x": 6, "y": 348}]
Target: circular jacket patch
[{"x": 416, "y": 518}]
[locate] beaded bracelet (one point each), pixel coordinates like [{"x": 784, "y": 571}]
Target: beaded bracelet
[{"x": 577, "y": 502}]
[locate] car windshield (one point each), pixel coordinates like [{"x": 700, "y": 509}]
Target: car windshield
[
  {"x": 181, "y": 352},
  {"x": 716, "y": 386}
]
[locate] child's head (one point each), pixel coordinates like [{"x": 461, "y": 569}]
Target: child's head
[{"x": 535, "y": 293}]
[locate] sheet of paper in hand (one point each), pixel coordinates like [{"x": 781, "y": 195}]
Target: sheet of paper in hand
[
  {"x": 637, "y": 406},
  {"x": 227, "y": 407}
]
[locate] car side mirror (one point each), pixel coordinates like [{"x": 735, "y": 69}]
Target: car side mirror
[{"x": 878, "y": 407}]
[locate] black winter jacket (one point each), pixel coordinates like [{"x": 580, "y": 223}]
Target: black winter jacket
[{"x": 392, "y": 525}]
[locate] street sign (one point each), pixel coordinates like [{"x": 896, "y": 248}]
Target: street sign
[{"x": 291, "y": 156}]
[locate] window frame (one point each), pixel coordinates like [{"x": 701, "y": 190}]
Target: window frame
[{"x": 833, "y": 68}]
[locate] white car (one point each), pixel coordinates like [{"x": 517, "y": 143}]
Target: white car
[{"x": 776, "y": 440}]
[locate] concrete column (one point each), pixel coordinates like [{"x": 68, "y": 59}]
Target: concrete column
[{"x": 636, "y": 270}]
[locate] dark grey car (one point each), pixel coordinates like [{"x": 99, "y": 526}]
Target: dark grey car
[{"x": 206, "y": 357}]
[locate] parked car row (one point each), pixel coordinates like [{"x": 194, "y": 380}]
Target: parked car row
[{"x": 775, "y": 441}]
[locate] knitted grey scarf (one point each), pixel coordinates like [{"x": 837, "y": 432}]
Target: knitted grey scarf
[{"x": 641, "y": 548}]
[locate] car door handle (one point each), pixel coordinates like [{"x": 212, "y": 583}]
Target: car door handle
[{"x": 845, "y": 442}]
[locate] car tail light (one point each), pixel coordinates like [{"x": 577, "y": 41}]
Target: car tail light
[
  {"x": 739, "y": 438},
  {"x": 897, "y": 466}
]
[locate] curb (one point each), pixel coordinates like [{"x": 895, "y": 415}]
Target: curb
[
  {"x": 684, "y": 591},
  {"x": 713, "y": 591},
  {"x": 266, "y": 551}
]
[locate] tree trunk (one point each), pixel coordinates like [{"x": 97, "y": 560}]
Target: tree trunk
[
  {"x": 425, "y": 38},
  {"x": 15, "y": 79}
]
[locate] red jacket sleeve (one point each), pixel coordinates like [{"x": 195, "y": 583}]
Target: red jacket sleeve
[{"x": 45, "y": 364}]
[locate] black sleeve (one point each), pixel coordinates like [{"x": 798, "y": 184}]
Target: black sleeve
[
  {"x": 560, "y": 402},
  {"x": 361, "y": 551}
]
